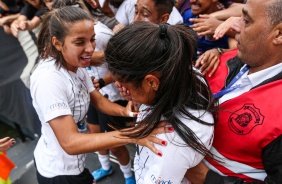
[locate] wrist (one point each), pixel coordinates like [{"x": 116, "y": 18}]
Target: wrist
[
  {"x": 101, "y": 82},
  {"x": 220, "y": 50}
]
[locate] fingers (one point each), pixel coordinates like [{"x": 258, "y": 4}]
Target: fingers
[
  {"x": 214, "y": 68},
  {"x": 209, "y": 66},
  {"x": 223, "y": 28},
  {"x": 23, "y": 25},
  {"x": 117, "y": 84},
  {"x": 220, "y": 31},
  {"x": 129, "y": 108},
  {"x": 200, "y": 61},
  {"x": 152, "y": 139},
  {"x": 206, "y": 32},
  {"x": 236, "y": 27},
  {"x": 195, "y": 20},
  {"x": 3, "y": 140},
  {"x": 205, "y": 16},
  {"x": 93, "y": 79},
  {"x": 204, "y": 62},
  {"x": 162, "y": 128},
  {"x": 203, "y": 68},
  {"x": 122, "y": 89},
  {"x": 202, "y": 18},
  {"x": 6, "y": 143},
  {"x": 14, "y": 30},
  {"x": 151, "y": 146},
  {"x": 209, "y": 60},
  {"x": 125, "y": 93}
]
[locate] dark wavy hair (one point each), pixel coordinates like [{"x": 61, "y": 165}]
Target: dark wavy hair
[{"x": 144, "y": 48}]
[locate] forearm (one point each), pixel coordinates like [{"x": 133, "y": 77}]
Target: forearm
[
  {"x": 75, "y": 143},
  {"x": 33, "y": 23},
  {"x": 15, "y": 22},
  {"x": 13, "y": 17},
  {"x": 9, "y": 19},
  {"x": 97, "y": 58},
  {"x": 235, "y": 10},
  {"x": 106, "y": 106},
  {"x": 4, "y": 6},
  {"x": 197, "y": 174},
  {"x": 108, "y": 79},
  {"x": 93, "y": 142}
]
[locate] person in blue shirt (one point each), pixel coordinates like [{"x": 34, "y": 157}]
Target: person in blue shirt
[{"x": 198, "y": 7}]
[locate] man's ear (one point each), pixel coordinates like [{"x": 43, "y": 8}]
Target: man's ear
[
  {"x": 153, "y": 81},
  {"x": 57, "y": 44},
  {"x": 278, "y": 34},
  {"x": 164, "y": 18}
]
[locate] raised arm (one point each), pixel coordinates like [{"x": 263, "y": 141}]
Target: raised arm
[{"x": 235, "y": 10}]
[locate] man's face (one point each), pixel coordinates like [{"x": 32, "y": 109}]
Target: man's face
[
  {"x": 202, "y": 6},
  {"x": 254, "y": 36},
  {"x": 145, "y": 11}
]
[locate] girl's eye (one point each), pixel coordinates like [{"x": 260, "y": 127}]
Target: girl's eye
[
  {"x": 79, "y": 43},
  {"x": 145, "y": 15},
  {"x": 92, "y": 40}
]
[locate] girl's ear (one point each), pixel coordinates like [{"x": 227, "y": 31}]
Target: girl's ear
[
  {"x": 153, "y": 81},
  {"x": 57, "y": 44}
]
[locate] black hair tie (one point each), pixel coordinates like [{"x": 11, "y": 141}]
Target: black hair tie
[{"x": 163, "y": 30}]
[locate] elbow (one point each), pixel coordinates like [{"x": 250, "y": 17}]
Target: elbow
[{"x": 69, "y": 148}]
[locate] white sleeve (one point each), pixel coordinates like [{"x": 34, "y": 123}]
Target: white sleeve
[
  {"x": 175, "y": 17},
  {"x": 49, "y": 93},
  {"x": 125, "y": 12},
  {"x": 103, "y": 35}
]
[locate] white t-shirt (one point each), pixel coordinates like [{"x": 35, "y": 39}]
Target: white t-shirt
[
  {"x": 126, "y": 11},
  {"x": 56, "y": 92},
  {"x": 172, "y": 166},
  {"x": 103, "y": 35},
  {"x": 102, "y": 4},
  {"x": 175, "y": 17}
]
